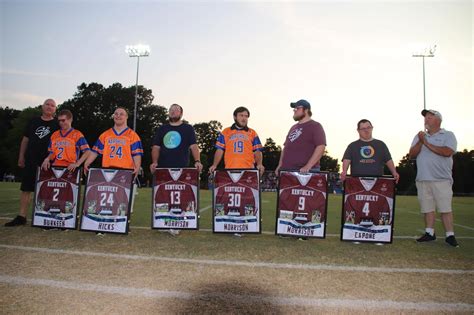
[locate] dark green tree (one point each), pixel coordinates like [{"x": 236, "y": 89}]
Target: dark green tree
[
  {"x": 93, "y": 106},
  {"x": 407, "y": 171},
  {"x": 206, "y": 136},
  {"x": 7, "y": 115},
  {"x": 11, "y": 142},
  {"x": 328, "y": 163},
  {"x": 463, "y": 172},
  {"x": 271, "y": 154}
]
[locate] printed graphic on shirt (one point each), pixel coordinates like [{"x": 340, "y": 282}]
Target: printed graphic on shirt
[
  {"x": 172, "y": 139},
  {"x": 175, "y": 198},
  {"x": 368, "y": 209},
  {"x": 56, "y": 198},
  {"x": 302, "y": 204},
  {"x": 42, "y": 132},
  {"x": 107, "y": 203},
  {"x": 236, "y": 201}
]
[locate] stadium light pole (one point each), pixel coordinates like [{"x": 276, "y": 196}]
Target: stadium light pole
[
  {"x": 427, "y": 52},
  {"x": 137, "y": 51}
]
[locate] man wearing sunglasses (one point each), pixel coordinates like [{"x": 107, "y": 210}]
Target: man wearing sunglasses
[{"x": 66, "y": 145}]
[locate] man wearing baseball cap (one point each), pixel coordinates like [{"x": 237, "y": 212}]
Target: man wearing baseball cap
[
  {"x": 305, "y": 143},
  {"x": 433, "y": 150}
]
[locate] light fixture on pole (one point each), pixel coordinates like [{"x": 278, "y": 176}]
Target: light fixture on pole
[
  {"x": 137, "y": 51},
  {"x": 427, "y": 52}
]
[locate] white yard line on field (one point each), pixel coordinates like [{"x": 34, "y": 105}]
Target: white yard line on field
[
  {"x": 455, "y": 224},
  {"x": 276, "y": 300},
  {"x": 238, "y": 263}
]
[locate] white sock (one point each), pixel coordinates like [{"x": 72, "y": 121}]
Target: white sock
[
  {"x": 429, "y": 231},
  {"x": 448, "y": 234}
]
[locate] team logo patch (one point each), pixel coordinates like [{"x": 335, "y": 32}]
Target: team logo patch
[
  {"x": 367, "y": 151},
  {"x": 42, "y": 132},
  {"x": 295, "y": 134},
  {"x": 172, "y": 139}
]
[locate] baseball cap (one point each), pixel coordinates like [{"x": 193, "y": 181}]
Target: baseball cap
[
  {"x": 432, "y": 111},
  {"x": 303, "y": 103}
]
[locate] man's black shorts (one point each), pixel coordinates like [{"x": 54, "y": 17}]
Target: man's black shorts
[{"x": 28, "y": 179}]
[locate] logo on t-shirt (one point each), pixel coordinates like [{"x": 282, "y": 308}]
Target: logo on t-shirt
[
  {"x": 367, "y": 151},
  {"x": 172, "y": 139},
  {"x": 295, "y": 134},
  {"x": 42, "y": 132}
]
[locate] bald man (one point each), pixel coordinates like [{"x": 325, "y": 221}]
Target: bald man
[{"x": 33, "y": 150}]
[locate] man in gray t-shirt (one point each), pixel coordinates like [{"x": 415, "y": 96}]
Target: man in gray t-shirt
[
  {"x": 433, "y": 150},
  {"x": 367, "y": 156},
  {"x": 305, "y": 143}
]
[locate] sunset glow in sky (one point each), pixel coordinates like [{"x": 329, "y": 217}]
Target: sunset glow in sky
[{"x": 349, "y": 59}]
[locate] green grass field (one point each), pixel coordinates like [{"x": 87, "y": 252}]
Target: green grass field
[{"x": 199, "y": 271}]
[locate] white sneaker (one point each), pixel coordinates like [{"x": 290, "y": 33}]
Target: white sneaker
[
  {"x": 357, "y": 243},
  {"x": 173, "y": 232},
  {"x": 237, "y": 235}
]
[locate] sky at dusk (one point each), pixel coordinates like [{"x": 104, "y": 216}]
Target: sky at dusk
[{"x": 349, "y": 59}]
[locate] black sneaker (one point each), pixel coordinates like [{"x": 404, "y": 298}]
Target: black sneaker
[
  {"x": 451, "y": 240},
  {"x": 19, "y": 220},
  {"x": 427, "y": 237}
]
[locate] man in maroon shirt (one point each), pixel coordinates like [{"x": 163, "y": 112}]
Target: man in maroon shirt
[{"x": 305, "y": 143}]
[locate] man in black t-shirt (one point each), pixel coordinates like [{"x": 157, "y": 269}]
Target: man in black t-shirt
[
  {"x": 172, "y": 143},
  {"x": 33, "y": 150},
  {"x": 367, "y": 156}
]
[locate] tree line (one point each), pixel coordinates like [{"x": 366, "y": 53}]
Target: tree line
[{"x": 93, "y": 106}]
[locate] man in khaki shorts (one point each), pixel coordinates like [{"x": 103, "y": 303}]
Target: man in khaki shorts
[{"x": 434, "y": 151}]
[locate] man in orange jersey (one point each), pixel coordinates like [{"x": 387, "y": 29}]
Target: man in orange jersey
[
  {"x": 239, "y": 145},
  {"x": 119, "y": 146},
  {"x": 66, "y": 145}
]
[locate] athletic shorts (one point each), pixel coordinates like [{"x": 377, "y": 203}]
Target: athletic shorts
[
  {"x": 435, "y": 195},
  {"x": 28, "y": 178}
]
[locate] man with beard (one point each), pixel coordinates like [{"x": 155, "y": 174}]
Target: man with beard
[
  {"x": 33, "y": 150},
  {"x": 172, "y": 143},
  {"x": 305, "y": 143},
  {"x": 239, "y": 145}
]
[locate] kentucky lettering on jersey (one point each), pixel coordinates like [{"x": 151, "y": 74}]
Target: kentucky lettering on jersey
[
  {"x": 302, "y": 197},
  {"x": 175, "y": 196},
  {"x": 56, "y": 192},
  {"x": 108, "y": 193},
  {"x": 176, "y": 190},
  {"x": 368, "y": 201},
  {"x": 240, "y": 197}
]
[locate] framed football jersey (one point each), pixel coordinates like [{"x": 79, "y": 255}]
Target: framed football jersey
[
  {"x": 236, "y": 201},
  {"x": 302, "y": 204},
  {"x": 56, "y": 198},
  {"x": 107, "y": 201},
  {"x": 368, "y": 208},
  {"x": 175, "y": 199}
]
